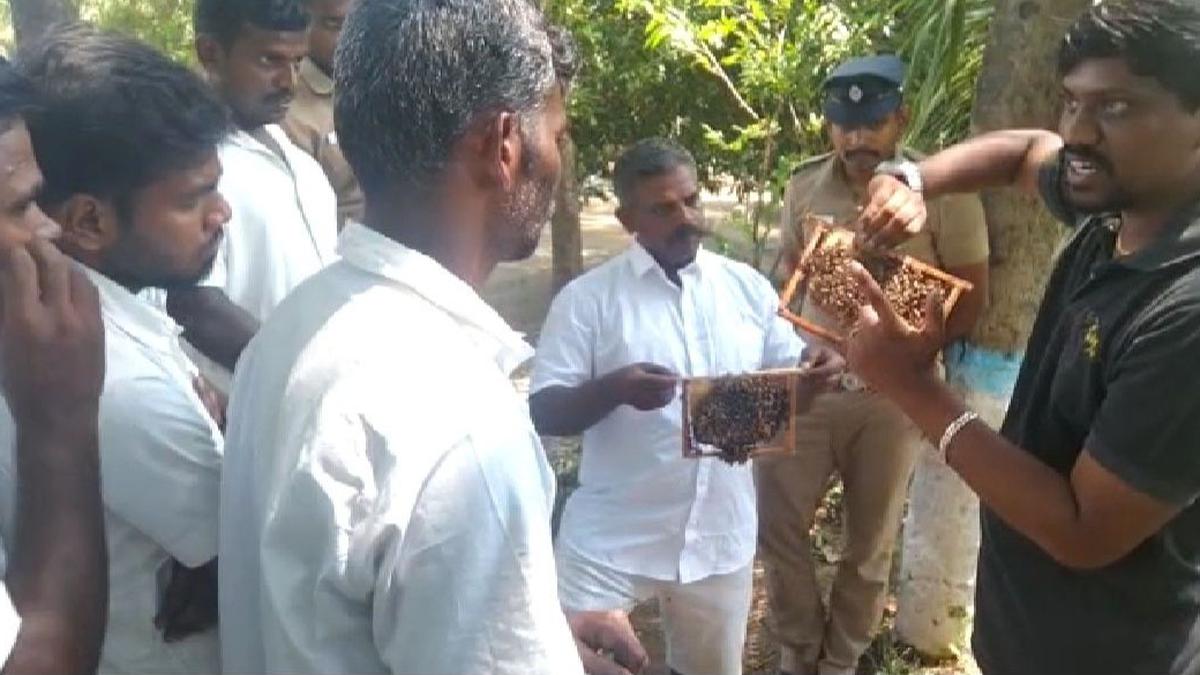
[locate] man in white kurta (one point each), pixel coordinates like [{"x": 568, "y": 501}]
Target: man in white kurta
[
  {"x": 385, "y": 503},
  {"x": 141, "y": 212},
  {"x": 283, "y": 213},
  {"x": 646, "y": 522},
  {"x": 160, "y": 455},
  {"x": 283, "y": 227}
]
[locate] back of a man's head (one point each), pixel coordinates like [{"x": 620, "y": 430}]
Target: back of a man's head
[
  {"x": 412, "y": 75},
  {"x": 224, "y": 19},
  {"x": 16, "y": 96},
  {"x": 114, "y": 114}
]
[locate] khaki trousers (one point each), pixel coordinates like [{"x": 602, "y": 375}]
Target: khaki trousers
[{"x": 873, "y": 447}]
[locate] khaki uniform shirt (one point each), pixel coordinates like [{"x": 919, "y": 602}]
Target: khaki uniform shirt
[
  {"x": 309, "y": 124},
  {"x": 954, "y": 236}
]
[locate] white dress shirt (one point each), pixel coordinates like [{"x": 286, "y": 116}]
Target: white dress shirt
[
  {"x": 160, "y": 465},
  {"x": 283, "y": 227},
  {"x": 386, "y": 502},
  {"x": 641, "y": 507},
  {"x": 10, "y": 621}
]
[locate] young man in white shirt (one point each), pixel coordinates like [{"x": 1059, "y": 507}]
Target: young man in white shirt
[
  {"x": 386, "y": 502},
  {"x": 127, "y": 142},
  {"x": 54, "y": 594},
  {"x": 646, "y": 522},
  {"x": 284, "y": 224}
]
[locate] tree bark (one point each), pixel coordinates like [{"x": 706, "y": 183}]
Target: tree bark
[
  {"x": 31, "y": 18},
  {"x": 566, "y": 235},
  {"x": 1017, "y": 88}
]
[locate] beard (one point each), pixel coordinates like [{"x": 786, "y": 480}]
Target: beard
[{"x": 525, "y": 212}]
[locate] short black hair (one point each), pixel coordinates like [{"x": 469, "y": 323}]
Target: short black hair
[
  {"x": 412, "y": 75},
  {"x": 224, "y": 19},
  {"x": 647, "y": 158},
  {"x": 113, "y": 114},
  {"x": 17, "y": 96},
  {"x": 1155, "y": 38}
]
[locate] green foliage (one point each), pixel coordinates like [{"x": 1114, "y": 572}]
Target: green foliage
[
  {"x": 166, "y": 24},
  {"x": 627, "y": 91},
  {"x": 943, "y": 42},
  {"x": 738, "y": 81}
]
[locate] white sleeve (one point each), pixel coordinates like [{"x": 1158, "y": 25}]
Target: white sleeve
[
  {"x": 782, "y": 346},
  {"x": 10, "y": 621},
  {"x": 566, "y": 346},
  {"x": 161, "y": 466}
]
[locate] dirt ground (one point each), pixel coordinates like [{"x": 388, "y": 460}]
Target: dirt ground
[{"x": 521, "y": 293}]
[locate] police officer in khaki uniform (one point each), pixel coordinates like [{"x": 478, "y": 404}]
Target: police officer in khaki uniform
[
  {"x": 854, "y": 432},
  {"x": 310, "y": 119}
]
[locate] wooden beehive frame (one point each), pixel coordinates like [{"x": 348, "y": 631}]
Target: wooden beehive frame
[
  {"x": 695, "y": 387},
  {"x": 825, "y": 236}
]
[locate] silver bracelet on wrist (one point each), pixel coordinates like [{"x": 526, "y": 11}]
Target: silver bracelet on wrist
[{"x": 952, "y": 431}]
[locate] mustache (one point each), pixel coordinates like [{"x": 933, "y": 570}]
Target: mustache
[
  {"x": 1087, "y": 154},
  {"x": 690, "y": 230},
  {"x": 863, "y": 152}
]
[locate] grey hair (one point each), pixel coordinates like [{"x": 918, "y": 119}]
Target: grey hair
[{"x": 412, "y": 76}]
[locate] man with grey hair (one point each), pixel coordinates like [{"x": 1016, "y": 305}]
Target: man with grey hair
[{"x": 385, "y": 500}]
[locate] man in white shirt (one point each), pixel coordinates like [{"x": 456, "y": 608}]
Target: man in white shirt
[
  {"x": 284, "y": 224},
  {"x": 646, "y": 522},
  {"x": 386, "y": 501},
  {"x": 127, "y": 142},
  {"x": 54, "y": 594}
]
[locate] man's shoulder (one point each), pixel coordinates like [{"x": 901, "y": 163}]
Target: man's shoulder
[
  {"x": 812, "y": 163},
  {"x": 809, "y": 166},
  {"x": 597, "y": 281},
  {"x": 738, "y": 274},
  {"x": 309, "y": 112},
  {"x": 1181, "y": 295}
]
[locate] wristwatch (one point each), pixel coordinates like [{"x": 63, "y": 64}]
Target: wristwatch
[{"x": 908, "y": 173}]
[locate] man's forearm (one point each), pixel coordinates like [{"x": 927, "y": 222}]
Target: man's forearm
[
  {"x": 1028, "y": 495},
  {"x": 58, "y": 576},
  {"x": 997, "y": 159},
  {"x": 569, "y": 411},
  {"x": 212, "y": 323}
]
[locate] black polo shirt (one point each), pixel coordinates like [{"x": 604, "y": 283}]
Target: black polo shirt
[{"x": 1113, "y": 366}]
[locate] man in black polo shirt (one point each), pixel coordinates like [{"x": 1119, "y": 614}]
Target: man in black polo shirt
[{"x": 1090, "y": 561}]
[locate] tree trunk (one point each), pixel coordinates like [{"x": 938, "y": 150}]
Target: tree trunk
[
  {"x": 566, "y": 236},
  {"x": 31, "y": 18},
  {"x": 1017, "y": 88}
]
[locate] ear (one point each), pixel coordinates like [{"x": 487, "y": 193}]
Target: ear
[
  {"x": 903, "y": 116},
  {"x": 90, "y": 225},
  {"x": 209, "y": 52},
  {"x": 501, "y": 150}
]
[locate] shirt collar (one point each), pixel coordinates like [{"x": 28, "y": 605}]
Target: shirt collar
[
  {"x": 1179, "y": 242},
  {"x": 242, "y": 139},
  {"x": 134, "y": 316},
  {"x": 642, "y": 263},
  {"x": 316, "y": 79},
  {"x": 372, "y": 252}
]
